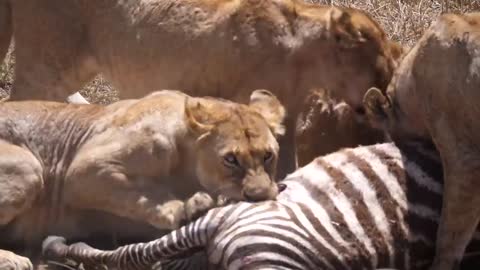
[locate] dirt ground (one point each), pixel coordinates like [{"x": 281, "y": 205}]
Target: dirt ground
[{"x": 403, "y": 20}]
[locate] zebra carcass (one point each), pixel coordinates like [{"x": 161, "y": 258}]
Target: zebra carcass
[{"x": 360, "y": 208}]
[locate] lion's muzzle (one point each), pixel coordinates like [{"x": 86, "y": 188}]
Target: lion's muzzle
[{"x": 259, "y": 188}]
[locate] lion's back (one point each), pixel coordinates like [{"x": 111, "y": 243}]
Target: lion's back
[{"x": 446, "y": 70}]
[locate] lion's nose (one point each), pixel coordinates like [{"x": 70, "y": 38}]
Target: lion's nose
[
  {"x": 250, "y": 198},
  {"x": 260, "y": 193},
  {"x": 256, "y": 197}
]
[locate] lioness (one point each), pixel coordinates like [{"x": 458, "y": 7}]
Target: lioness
[
  {"x": 216, "y": 48},
  {"x": 141, "y": 159},
  {"x": 435, "y": 94}
]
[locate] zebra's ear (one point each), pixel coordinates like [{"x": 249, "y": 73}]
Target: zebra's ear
[{"x": 377, "y": 108}]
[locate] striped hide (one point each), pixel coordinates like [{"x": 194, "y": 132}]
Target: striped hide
[{"x": 361, "y": 208}]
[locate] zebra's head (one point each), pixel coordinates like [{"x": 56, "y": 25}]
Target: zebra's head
[{"x": 236, "y": 148}]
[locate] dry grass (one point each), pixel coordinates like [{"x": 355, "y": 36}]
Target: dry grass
[
  {"x": 6, "y": 74},
  {"x": 403, "y": 20}
]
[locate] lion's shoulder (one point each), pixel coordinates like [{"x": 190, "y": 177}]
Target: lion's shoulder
[
  {"x": 158, "y": 103},
  {"x": 451, "y": 26}
]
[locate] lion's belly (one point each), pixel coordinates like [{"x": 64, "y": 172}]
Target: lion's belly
[{"x": 154, "y": 59}]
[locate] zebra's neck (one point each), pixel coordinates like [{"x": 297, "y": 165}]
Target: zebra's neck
[
  {"x": 410, "y": 159},
  {"x": 387, "y": 196}
]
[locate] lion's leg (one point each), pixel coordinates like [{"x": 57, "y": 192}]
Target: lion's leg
[
  {"x": 54, "y": 70},
  {"x": 47, "y": 83},
  {"x": 53, "y": 57},
  {"x": 20, "y": 183},
  {"x": 461, "y": 201},
  {"x": 460, "y": 216},
  {"x": 116, "y": 193}
]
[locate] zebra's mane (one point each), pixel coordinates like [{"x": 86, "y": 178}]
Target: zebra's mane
[{"x": 368, "y": 158}]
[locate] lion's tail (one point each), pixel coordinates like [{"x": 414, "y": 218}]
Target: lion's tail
[{"x": 5, "y": 27}]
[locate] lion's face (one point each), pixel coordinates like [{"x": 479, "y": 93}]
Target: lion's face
[
  {"x": 236, "y": 149},
  {"x": 357, "y": 48},
  {"x": 392, "y": 114},
  {"x": 398, "y": 111}
]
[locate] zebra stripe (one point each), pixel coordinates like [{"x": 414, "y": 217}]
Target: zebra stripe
[
  {"x": 362, "y": 208},
  {"x": 361, "y": 184},
  {"x": 391, "y": 213},
  {"x": 355, "y": 217}
]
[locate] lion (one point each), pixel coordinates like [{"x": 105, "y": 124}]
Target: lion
[
  {"x": 434, "y": 95},
  {"x": 215, "y": 48},
  {"x": 160, "y": 159},
  {"x": 329, "y": 125}
]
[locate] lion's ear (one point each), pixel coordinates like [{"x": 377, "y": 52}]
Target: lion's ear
[
  {"x": 267, "y": 104},
  {"x": 193, "y": 112},
  {"x": 342, "y": 28},
  {"x": 377, "y": 108}
]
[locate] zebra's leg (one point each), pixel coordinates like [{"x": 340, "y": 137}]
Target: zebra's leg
[
  {"x": 143, "y": 255},
  {"x": 20, "y": 183},
  {"x": 460, "y": 212}
]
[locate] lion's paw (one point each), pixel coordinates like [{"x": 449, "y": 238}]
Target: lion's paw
[
  {"x": 12, "y": 261},
  {"x": 198, "y": 205},
  {"x": 169, "y": 215}
]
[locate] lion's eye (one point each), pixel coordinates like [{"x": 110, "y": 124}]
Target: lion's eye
[
  {"x": 268, "y": 157},
  {"x": 230, "y": 160}
]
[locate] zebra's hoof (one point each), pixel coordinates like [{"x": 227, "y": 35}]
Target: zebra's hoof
[{"x": 54, "y": 247}]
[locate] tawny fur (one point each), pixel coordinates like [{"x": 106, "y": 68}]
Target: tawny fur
[
  {"x": 216, "y": 48},
  {"x": 435, "y": 92},
  {"x": 329, "y": 125},
  {"x": 149, "y": 160}
]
